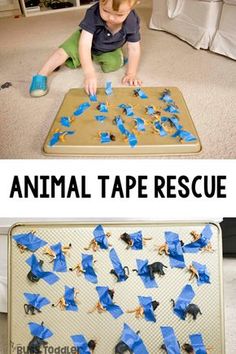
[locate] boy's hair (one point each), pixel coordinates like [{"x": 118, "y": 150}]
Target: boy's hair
[{"x": 116, "y": 3}]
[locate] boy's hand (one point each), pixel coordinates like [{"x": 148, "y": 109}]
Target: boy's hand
[
  {"x": 90, "y": 84},
  {"x": 131, "y": 80}
]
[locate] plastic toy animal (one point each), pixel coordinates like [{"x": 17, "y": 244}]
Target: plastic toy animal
[
  {"x": 193, "y": 271},
  {"x": 32, "y": 277},
  {"x": 30, "y": 308},
  {"x": 191, "y": 309},
  {"x": 35, "y": 344},
  {"x": 139, "y": 311},
  {"x": 62, "y": 303},
  {"x": 155, "y": 268},
  {"x": 126, "y": 271},
  {"x": 188, "y": 348},
  {"x": 127, "y": 239},
  {"x": 94, "y": 245},
  {"x": 92, "y": 345},
  {"x": 78, "y": 268},
  {"x": 163, "y": 249},
  {"x": 51, "y": 253},
  {"x": 98, "y": 307},
  {"x": 122, "y": 348}
]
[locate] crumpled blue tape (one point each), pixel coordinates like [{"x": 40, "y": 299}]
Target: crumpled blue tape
[
  {"x": 183, "y": 301},
  {"x": 56, "y": 136},
  {"x": 184, "y": 135},
  {"x": 100, "y": 237},
  {"x": 39, "y": 331},
  {"x": 81, "y": 109},
  {"x": 174, "y": 121},
  {"x": 204, "y": 275},
  {"x": 102, "y": 107},
  {"x": 59, "y": 264},
  {"x": 93, "y": 98},
  {"x": 195, "y": 247},
  {"x": 36, "y": 269},
  {"x": 170, "y": 340},
  {"x": 197, "y": 343},
  {"x": 175, "y": 250},
  {"x": 81, "y": 344},
  {"x": 133, "y": 340},
  {"x": 171, "y": 108},
  {"x": 87, "y": 265},
  {"x": 144, "y": 274},
  {"x": 117, "y": 265},
  {"x": 105, "y": 137},
  {"x": 166, "y": 97},
  {"x": 69, "y": 297},
  {"x": 140, "y": 124},
  {"x": 131, "y": 137},
  {"x": 128, "y": 109},
  {"x": 160, "y": 128},
  {"x": 137, "y": 239},
  {"x": 108, "y": 88},
  {"x": 146, "y": 303},
  {"x": 36, "y": 300},
  {"x": 29, "y": 240},
  {"x": 140, "y": 93},
  {"x": 150, "y": 110},
  {"x": 65, "y": 121},
  {"x": 107, "y": 303},
  {"x": 100, "y": 118}
]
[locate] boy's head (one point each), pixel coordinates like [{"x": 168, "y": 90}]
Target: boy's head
[{"x": 114, "y": 12}]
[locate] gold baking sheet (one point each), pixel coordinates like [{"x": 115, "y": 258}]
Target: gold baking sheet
[
  {"x": 102, "y": 327},
  {"x": 86, "y": 141}
]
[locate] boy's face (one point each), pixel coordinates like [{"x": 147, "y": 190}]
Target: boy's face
[{"x": 112, "y": 17}]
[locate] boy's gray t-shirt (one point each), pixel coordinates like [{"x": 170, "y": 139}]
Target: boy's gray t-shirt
[{"x": 103, "y": 40}]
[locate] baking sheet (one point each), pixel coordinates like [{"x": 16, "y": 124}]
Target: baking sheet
[
  {"x": 86, "y": 141},
  {"x": 102, "y": 327}
]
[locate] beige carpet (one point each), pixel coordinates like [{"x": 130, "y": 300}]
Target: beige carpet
[
  {"x": 207, "y": 80},
  {"x": 229, "y": 276}
]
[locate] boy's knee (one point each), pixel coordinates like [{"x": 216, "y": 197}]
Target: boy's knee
[{"x": 112, "y": 65}]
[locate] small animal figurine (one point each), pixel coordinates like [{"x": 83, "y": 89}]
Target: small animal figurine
[
  {"x": 94, "y": 245},
  {"x": 62, "y": 302},
  {"x": 32, "y": 277},
  {"x": 155, "y": 268},
  {"x": 193, "y": 271},
  {"x": 48, "y": 251},
  {"x": 122, "y": 348},
  {"x": 188, "y": 348},
  {"x": 139, "y": 311},
  {"x": 92, "y": 345},
  {"x": 127, "y": 239},
  {"x": 35, "y": 345},
  {"x": 30, "y": 309},
  {"x": 78, "y": 268},
  {"x": 126, "y": 272},
  {"x": 191, "y": 309},
  {"x": 163, "y": 249},
  {"x": 98, "y": 307}
]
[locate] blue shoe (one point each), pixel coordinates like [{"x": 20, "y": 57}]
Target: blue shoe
[{"x": 38, "y": 86}]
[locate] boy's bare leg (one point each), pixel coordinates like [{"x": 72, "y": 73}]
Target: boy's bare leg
[{"x": 56, "y": 59}]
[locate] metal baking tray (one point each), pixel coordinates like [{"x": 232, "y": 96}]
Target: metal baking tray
[
  {"x": 86, "y": 140},
  {"x": 103, "y": 327}
]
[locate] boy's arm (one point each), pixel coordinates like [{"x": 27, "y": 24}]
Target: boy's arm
[
  {"x": 134, "y": 52},
  {"x": 90, "y": 79}
]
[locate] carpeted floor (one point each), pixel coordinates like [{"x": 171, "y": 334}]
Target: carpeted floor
[{"x": 207, "y": 80}]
